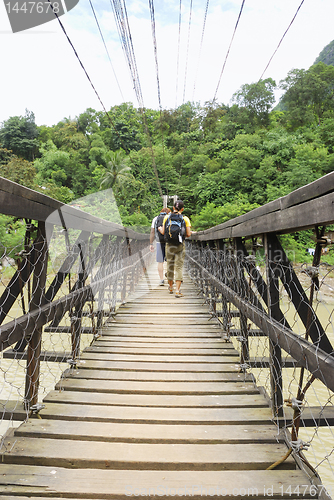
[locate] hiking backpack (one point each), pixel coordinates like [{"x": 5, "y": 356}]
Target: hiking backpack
[
  {"x": 175, "y": 229},
  {"x": 159, "y": 222}
]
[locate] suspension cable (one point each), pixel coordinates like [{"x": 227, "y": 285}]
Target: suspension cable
[
  {"x": 122, "y": 22},
  {"x": 123, "y": 28},
  {"x": 88, "y": 77},
  {"x": 281, "y": 40},
  {"x": 228, "y": 51},
  {"x": 155, "y": 48},
  {"x": 151, "y": 4},
  {"x": 187, "y": 56},
  {"x": 178, "y": 55},
  {"x": 105, "y": 46},
  {"x": 201, "y": 45}
]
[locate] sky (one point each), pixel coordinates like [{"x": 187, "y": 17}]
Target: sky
[{"x": 40, "y": 72}]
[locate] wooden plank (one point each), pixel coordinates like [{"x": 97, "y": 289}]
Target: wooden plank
[
  {"x": 49, "y": 356},
  {"x": 250, "y": 399},
  {"x": 119, "y": 485},
  {"x": 310, "y": 191},
  {"x": 173, "y": 319},
  {"x": 145, "y": 433},
  {"x": 98, "y": 364},
  {"x": 295, "y": 218},
  {"x": 236, "y": 332},
  {"x": 192, "y": 416},
  {"x": 136, "y": 329},
  {"x": 29, "y": 497},
  {"x": 165, "y": 311},
  {"x": 155, "y": 376},
  {"x": 156, "y": 351},
  {"x": 166, "y": 300},
  {"x": 165, "y": 341},
  {"x": 232, "y": 357},
  {"x": 150, "y": 387},
  {"x": 312, "y": 416},
  {"x": 20, "y": 497},
  {"x": 211, "y": 344},
  {"x": 287, "y": 362},
  {"x": 66, "y": 329},
  {"x": 12, "y": 410},
  {"x": 145, "y": 456}
]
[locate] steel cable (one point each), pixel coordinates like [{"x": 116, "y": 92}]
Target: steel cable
[
  {"x": 88, "y": 77},
  {"x": 122, "y": 22},
  {"x": 229, "y": 48},
  {"x": 151, "y": 4},
  {"x": 187, "y": 56},
  {"x": 105, "y": 46},
  {"x": 281, "y": 40},
  {"x": 201, "y": 45},
  {"x": 178, "y": 55}
]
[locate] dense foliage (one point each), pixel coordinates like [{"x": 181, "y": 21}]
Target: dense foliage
[
  {"x": 222, "y": 160},
  {"x": 327, "y": 54}
]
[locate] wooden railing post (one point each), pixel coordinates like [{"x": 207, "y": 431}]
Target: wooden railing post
[
  {"x": 276, "y": 379},
  {"x": 103, "y": 270},
  {"x": 242, "y": 291},
  {"x": 224, "y": 312},
  {"x": 40, "y": 264},
  {"x": 76, "y": 318}
]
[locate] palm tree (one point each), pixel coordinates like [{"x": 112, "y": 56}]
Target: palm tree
[{"x": 117, "y": 170}]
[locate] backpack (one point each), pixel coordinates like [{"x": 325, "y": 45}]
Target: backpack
[
  {"x": 175, "y": 229},
  {"x": 159, "y": 222}
]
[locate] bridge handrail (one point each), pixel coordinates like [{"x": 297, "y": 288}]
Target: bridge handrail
[
  {"x": 304, "y": 208},
  {"x": 20, "y": 201},
  {"x": 100, "y": 267},
  {"x": 269, "y": 306}
]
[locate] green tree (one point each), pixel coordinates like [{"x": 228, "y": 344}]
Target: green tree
[
  {"x": 122, "y": 127},
  {"x": 88, "y": 122},
  {"x": 212, "y": 113},
  {"x": 309, "y": 164},
  {"x": 211, "y": 215},
  {"x": 309, "y": 94},
  {"x": 19, "y": 134},
  {"x": 117, "y": 170},
  {"x": 20, "y": 171},
  {"x": 257, "y": 99},
  {"x": 326, "y": 55}
]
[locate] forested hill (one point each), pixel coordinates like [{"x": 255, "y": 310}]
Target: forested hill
[
  {"x": 222, "y": 160},
  {"x": 326, "y": 55}
]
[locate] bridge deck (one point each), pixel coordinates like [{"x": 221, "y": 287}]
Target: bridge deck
[{"x": 156, "y": 408}]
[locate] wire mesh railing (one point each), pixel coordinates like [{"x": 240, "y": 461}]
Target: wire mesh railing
[
  {"x": 279, "y": 315},
  {"x": 58, "y": 285}
]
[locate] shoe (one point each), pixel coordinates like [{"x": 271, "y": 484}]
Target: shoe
[
  {"x": 162, "y": 282},
  {"x": 178, "y": 294},
  {"x": 170, "y": 289}
]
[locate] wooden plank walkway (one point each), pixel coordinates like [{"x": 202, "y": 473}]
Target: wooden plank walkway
[{"x": 156, "y": 408}]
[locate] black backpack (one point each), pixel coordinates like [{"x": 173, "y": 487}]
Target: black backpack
[
  {"x": 159, "y": 222},
  {"x": 175, "y": 229}
]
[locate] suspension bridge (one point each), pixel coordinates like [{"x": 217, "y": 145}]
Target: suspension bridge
[{"x": 113, "y": 388}]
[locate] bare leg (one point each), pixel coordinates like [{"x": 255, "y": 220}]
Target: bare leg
[
  {"x": 161, "y": 270},
  {"x": 178, "y": 285}
]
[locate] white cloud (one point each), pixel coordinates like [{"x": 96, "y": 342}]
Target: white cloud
[{"x": 40, "y": 71}]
